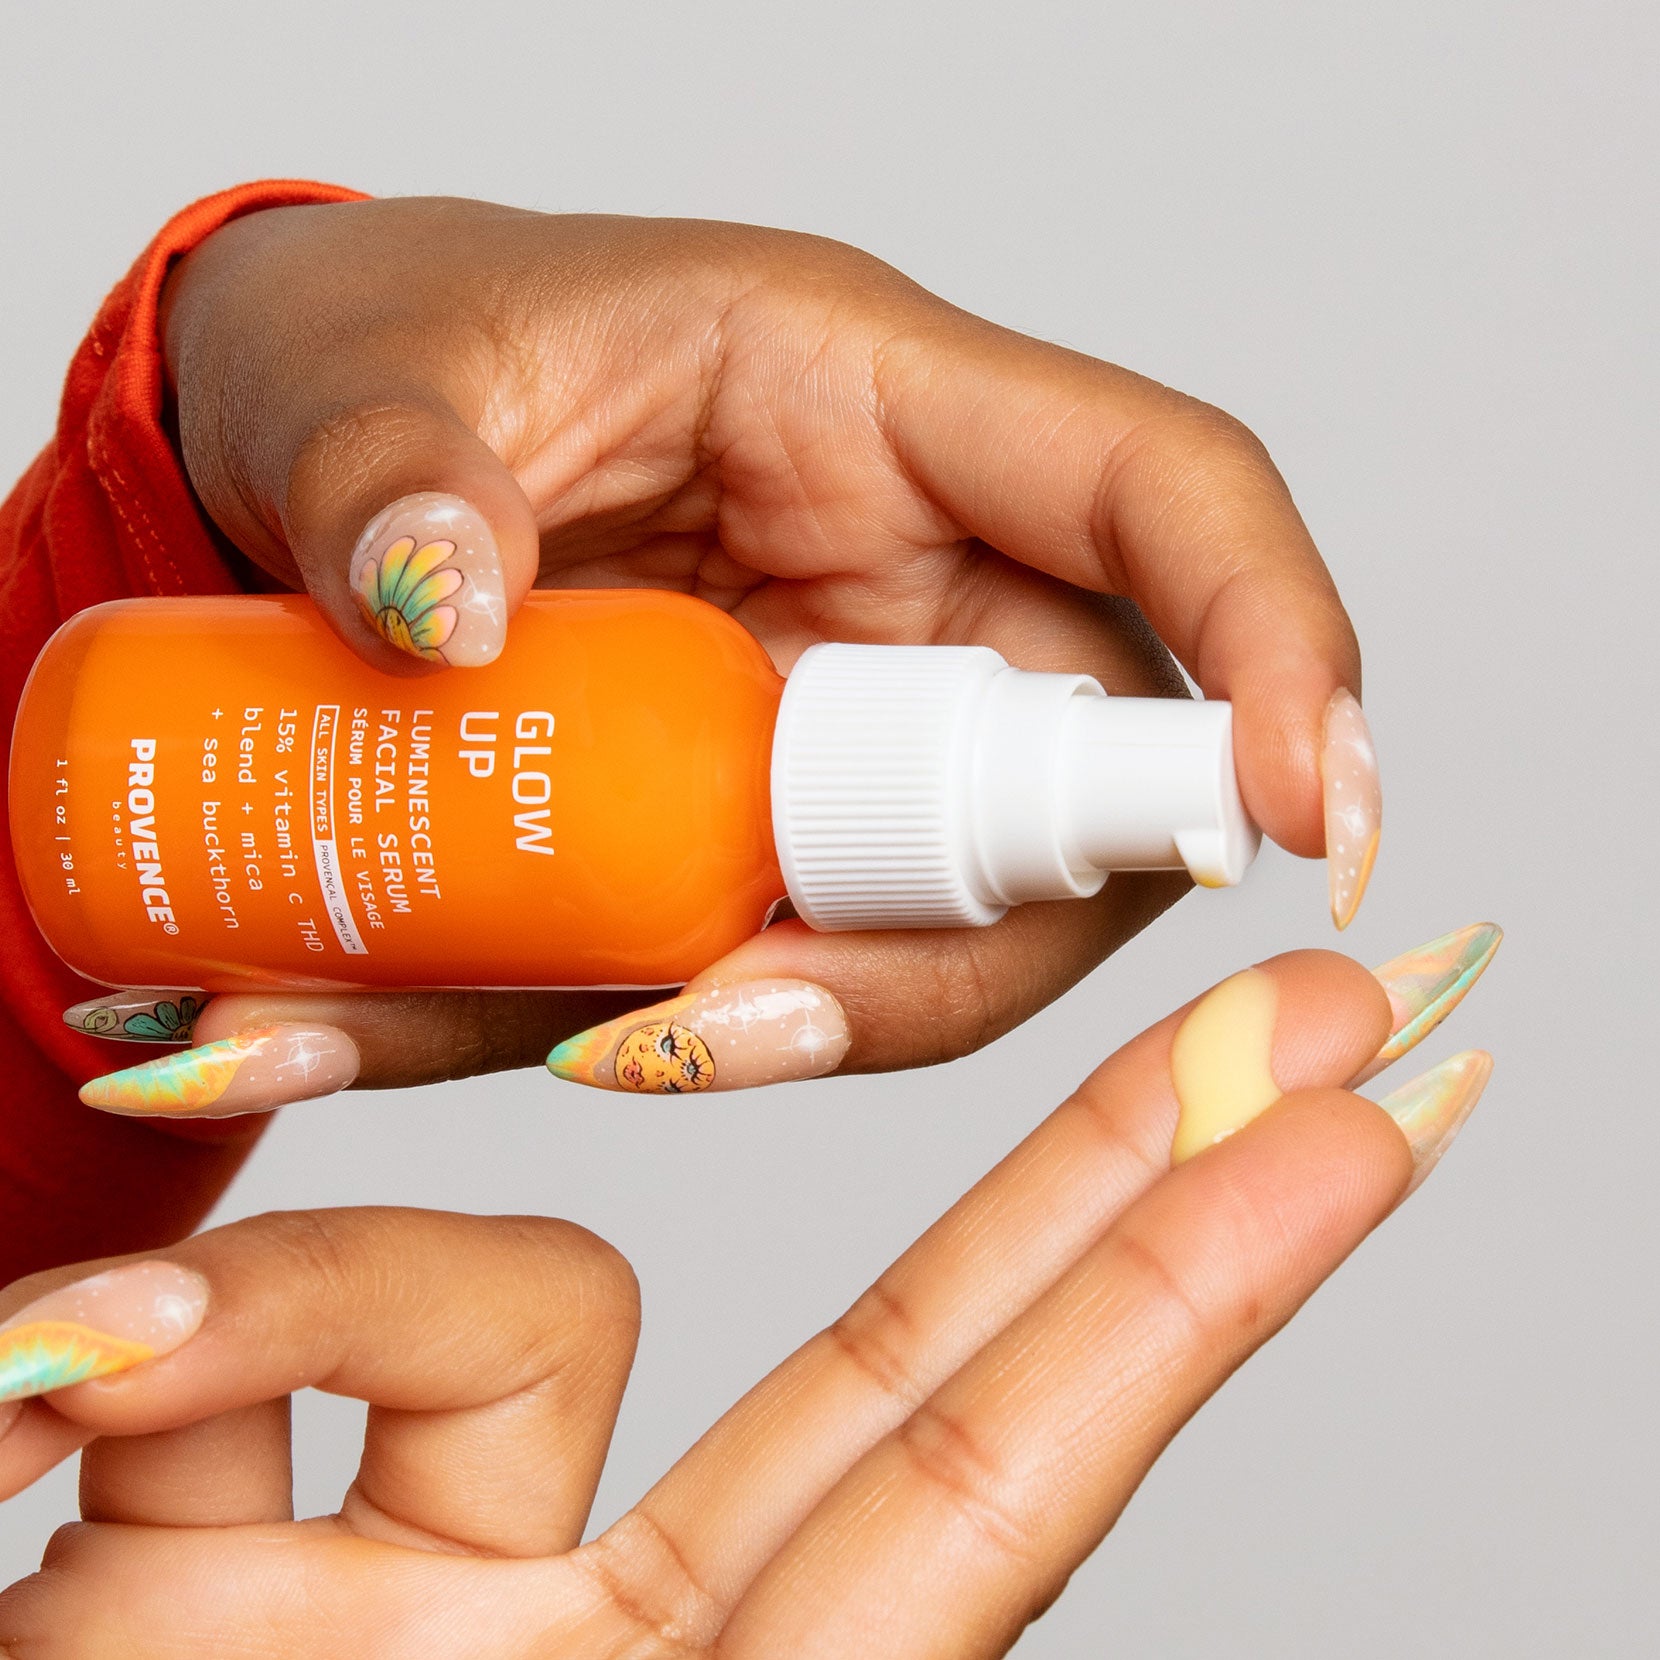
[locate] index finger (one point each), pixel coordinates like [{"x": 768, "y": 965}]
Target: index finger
[
  {"x": 1116, "y": 483},
  {"x": 493, "y": 1351}
]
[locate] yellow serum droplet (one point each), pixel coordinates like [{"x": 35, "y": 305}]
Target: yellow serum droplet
[{"x": 1220, "y": 1062}]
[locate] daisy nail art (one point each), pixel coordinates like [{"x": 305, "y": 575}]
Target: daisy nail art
[
  {"x": 427, "y": 577},
  {"x": 139, "y": 1016}
]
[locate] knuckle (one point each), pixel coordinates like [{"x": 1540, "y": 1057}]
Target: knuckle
[
  {"x": 56, "y": 1612},
  {"x": 1224, "y": 439},
  {"x": 966, "y": 1011},
  {"x": 942, "y": 1451},
  {"x": 72, "y": 1545},
  {"x": 587, "y": 1279},
  {"x": 846, "y": 291},
  {"x": 607, "y": 1283},
  {"x": 874, "y": 1336},
  {"x": 310, "y": 1246},
  {"x": 811, "y": 256},
  {"x": 1144, "y": 1160},
  {"x": 1189, "y": 451},
  {"x": 648, "y": 1588},
  {"x": 349, "y": 443},
  {"x": 1163, "y": 1289},
  {"x": 614, "y": 1277},
  {"x": 1219, "y": 457}
]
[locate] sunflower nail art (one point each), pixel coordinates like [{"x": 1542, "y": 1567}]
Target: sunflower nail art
[
  {"x": 255, "y": 1071},
  {"x": 94, "y": 1327},
  {"x": 427, "y": 577}
]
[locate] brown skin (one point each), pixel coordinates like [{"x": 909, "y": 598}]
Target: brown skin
[
  {"x": 919, "y": 1480},
  {"x": 793, "y": 430}
]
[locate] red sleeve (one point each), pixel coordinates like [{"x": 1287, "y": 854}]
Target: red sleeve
[{"x": 105, "y": 512}]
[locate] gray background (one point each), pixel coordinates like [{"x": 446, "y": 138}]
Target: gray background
[{"x": 1413, "y": 245}]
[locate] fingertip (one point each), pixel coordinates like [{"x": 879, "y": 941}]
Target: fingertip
[
  {"x": 1294, "y": 1022},
  {"x": 1334, "y": 1008},
  {"x": 1308, "y": 774},
  {"x": 411, "y": 534},
  {"x": 100, "y": 1326},
  {"x": 1276, "y": 640},
  {"x": 1279, "y": 716},
  {"x": 1340, "y": 1143}
]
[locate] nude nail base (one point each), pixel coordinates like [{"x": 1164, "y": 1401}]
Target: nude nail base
[
  {"x": 729, "y": 1037},
  {"x": 254, "y": 1071}
]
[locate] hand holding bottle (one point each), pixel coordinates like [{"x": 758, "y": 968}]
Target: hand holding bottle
[{"x": 418, "y": 410}]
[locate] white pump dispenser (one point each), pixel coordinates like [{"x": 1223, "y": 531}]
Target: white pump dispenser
[{"x": 935, "y": 786}]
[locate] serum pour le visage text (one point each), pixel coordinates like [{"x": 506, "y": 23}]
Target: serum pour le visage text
[{"x": 216, "y": 792}]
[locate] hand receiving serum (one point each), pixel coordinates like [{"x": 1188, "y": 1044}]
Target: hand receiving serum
[{"x": 216, "y": 792}]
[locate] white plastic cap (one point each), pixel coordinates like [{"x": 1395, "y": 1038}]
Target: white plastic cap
[{"x": 935, "y": 786}]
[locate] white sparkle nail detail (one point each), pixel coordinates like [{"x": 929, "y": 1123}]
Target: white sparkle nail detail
[{"x": 1349, "y": 769}]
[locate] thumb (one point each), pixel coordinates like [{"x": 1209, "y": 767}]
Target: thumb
[{"x": 410, "y": 533}]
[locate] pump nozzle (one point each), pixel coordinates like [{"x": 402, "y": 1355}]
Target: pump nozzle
[
  {"x": 935, "y": 786},
  {"x": 1152, "y": 787}
]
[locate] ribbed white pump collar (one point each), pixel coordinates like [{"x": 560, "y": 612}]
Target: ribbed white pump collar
[{"x": 935, "y": 786}]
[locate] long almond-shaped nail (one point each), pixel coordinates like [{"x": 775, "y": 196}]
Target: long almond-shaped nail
[
  {"x": 427, "y": 575},
  {"x": 108, "y": 1323},
  {"x": 1427, "y": 984},
  {"x": 730, "y": 1037},
  {"x": 1431, "y": 1110},
  {"x": 255, "y": 1071},
  {"x": 1353, "y": 804},
  {"x": 1220, "y": 1062},
  {"x": 139, "y": 1016}
]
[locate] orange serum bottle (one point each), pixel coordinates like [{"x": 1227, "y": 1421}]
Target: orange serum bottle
[{"x": 215, "y": 792}]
